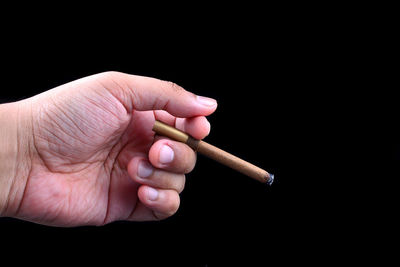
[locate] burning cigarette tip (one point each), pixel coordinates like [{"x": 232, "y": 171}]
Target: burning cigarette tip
[{"x": 271, "y": 179}]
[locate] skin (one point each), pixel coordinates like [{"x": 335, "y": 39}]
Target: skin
[{"x": 70, "y": 156}]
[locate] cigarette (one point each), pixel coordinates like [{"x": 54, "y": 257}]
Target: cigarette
[{"x": 214, "y": 153}]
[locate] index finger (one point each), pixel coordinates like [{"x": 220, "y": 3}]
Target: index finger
[{"x": 198, "y": 127}]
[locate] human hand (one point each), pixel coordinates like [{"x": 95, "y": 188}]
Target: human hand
[{"x": 84, "y": 153}]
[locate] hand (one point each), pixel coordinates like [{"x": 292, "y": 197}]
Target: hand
[{"x": 87, "y": 154}]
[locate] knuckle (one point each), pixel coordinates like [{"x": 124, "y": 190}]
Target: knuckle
[
  {"x": 189, "y": 168},
  {"x": 109, "y": 74},
  {"x": 173, "y": 206},
  {"x": 175, "y": 87},
  {"x": 178, "y": 183},
  {"x": 191, "y": 163},
  {"x": 182, "y": 184}
]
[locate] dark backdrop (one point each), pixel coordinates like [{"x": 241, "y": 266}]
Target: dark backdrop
[{"x": 285, "y": 88}]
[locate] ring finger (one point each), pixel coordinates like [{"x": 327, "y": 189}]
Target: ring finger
[{"x": 141, "y": 171}]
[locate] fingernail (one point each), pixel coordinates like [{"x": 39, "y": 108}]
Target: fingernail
[
  {"x": 152, "y": 194},
  {"x": 145, "y": 169},
  {"x": 166, "y": 154},
  {"x": 206, "y": 101}
]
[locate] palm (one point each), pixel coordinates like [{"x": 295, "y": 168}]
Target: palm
[{"x": 84, "y": 138}]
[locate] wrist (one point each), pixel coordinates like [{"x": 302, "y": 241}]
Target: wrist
[{"x": 15, "y": 161}]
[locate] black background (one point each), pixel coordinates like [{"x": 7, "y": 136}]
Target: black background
[{"x": 290, "y": 100}]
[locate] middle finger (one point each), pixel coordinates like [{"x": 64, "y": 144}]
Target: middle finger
[{"x": 172, "y": 156}]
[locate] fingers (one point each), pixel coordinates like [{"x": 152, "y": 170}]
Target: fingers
[
  {"x": 198, "y": 127},
  {"x": 163, "y": 203},
  {"x": 144, "y": 93},
  {"x": 141, "y": 171},
  {"x": 169, "y": 162},
  {"x": 158, "y": 193},
  {"x": 162, "y": 179},
  {"x": 155, "y": 204},
  {"x": 172, "y": 156}
]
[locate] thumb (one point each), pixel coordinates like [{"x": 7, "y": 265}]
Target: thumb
[{"x": 144, "y": 93}]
